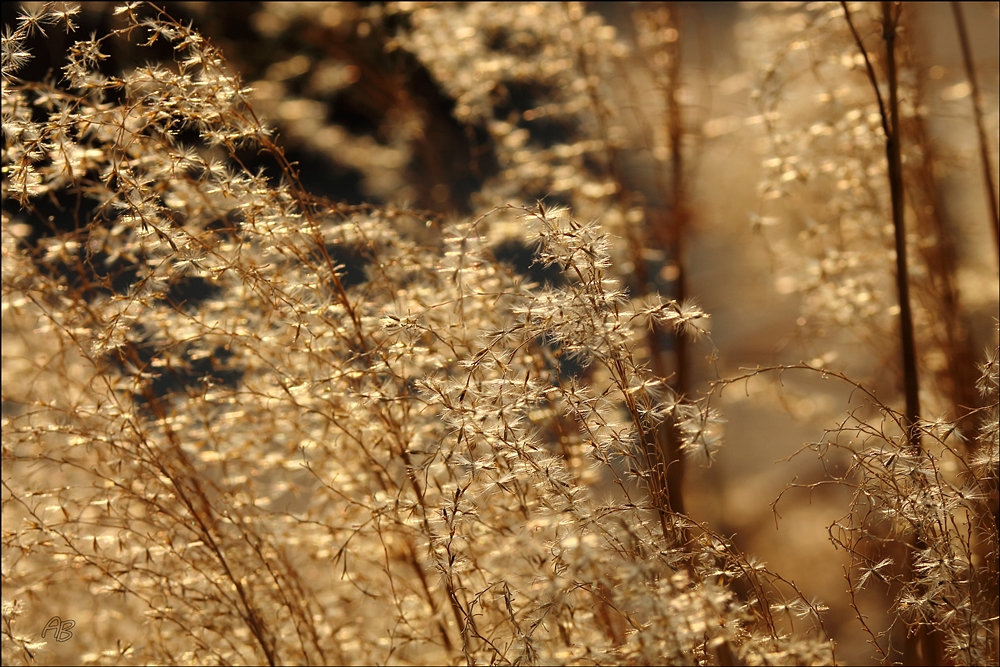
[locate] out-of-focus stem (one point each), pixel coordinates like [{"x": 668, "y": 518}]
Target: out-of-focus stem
[
  {"x": 675, "y": 130},
  {"x": 977, "y": 105},
  {"x": 664, "y": 458}
]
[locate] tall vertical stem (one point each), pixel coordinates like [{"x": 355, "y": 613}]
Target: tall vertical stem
[
  {"x": 977, "y": 106},
  {"x": 894, "y": 156},
  {"x": 925, "y": 645},
  {"x": 675, "y": 130}
]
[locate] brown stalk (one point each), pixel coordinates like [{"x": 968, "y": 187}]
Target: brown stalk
[
  {"x": 682, "y": 385},
  {"x": 925, "y": 645},
  {"x": 663, "y": 454},
  {"x": 893, "y": 151},
  {"x": 940, "y": 283},
  {"x": 890, "y": 126},
  {"x": 977, "y": 106},
  {"x": 667, "y": 230}
]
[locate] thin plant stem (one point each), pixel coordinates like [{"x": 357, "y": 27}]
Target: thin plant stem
[
  {"x": 894, "y": 155},
  {"x": 665, "y": 460},
  {"x": 675, "y": 129},
  {"x": 977, "y": 107},
  {"x": 666, "y": 229},
  {"x": 890, "y": 126},
  {"x": 923, "y": 638}
]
